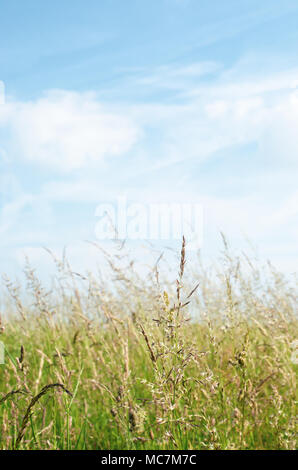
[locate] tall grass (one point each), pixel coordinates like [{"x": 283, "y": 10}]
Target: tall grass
[{"x": 206, "y": 363}]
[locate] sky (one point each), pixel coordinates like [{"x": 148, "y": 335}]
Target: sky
[{"x": 160, "y": 101}]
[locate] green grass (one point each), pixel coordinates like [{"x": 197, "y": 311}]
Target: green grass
[{"x": 135, "y": 368}]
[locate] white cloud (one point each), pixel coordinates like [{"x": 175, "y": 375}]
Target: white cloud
[
  {"x": 233, "y": 110},
  {"x": 66, "y": 130}
]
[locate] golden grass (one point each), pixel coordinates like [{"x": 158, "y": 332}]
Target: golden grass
[{"x": 204, "y": 364}]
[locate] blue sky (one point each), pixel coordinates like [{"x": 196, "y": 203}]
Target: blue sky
[{"x": 160, "y": 100}]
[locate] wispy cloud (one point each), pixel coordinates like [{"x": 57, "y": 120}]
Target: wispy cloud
[{"x": 176, "y": 77}]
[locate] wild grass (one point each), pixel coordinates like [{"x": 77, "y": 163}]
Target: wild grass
[{"x": 206, "y": 363}]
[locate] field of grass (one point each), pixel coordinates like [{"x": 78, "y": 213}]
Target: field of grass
[{"x": 208, "y": 362}]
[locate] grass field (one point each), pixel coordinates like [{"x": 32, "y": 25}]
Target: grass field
[{"x": 140, "y": 363}]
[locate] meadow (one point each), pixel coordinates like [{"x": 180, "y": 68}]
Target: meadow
[{"x": 124, "y": 361}]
